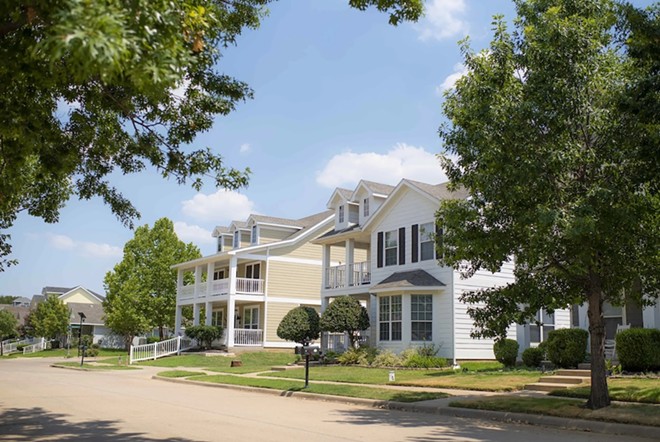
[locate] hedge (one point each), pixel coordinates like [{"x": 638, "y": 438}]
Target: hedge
[
  {"x": 638, "y": 349},
  {"x": 506, "y": 352},
  {"x": 567, "y": 347}
]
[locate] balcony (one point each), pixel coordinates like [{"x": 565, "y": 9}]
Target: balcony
[
  {"x": 348, "y": 275},
  {"x": 221, "y": 287}
]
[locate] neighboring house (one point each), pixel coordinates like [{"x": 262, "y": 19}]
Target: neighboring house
[
  {"x": 385, "y": 236},
  {"x": 263, "y": 268},
  {"x": 90, "y": 304},
  {"x": 629, "y": 315}
]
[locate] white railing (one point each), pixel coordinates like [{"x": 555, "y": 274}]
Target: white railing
[
  {"x": 159, "y": 349},
  {"x": 40, "y": 345},
  {"x": 187, "y": 291},
  {"x": 248, "y": 337},
  {"x": 11, "y": 346},
  {"x": 247, "y": 285},
  {"x": 336, "y": 276},
  {"x": 220, "y": 286},
  {"x": 336, "y": 342}
]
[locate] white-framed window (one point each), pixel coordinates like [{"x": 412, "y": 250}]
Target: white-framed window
[
  {"x": 391, "y": 248},
  {"x": 219, "y": 274},
  {"x": 389, "y": 318},
  {"x": 365, "y": 207},
  {"x": 543, "y": 324},
  {"x": 426, "y": 243},
  {"x": 613, "y": 317},
  {"x": 251, "y": 317},
  {"x": 220, "y": 241},
  {"x": 237, "y": 239},
  {"x": 341, "y": 214},
  {"x": 421, "y": 317},
  {"x": 254, "y": 239},
  {"x": 218, "y": 317},
  {"x": 253, "y": 271}
]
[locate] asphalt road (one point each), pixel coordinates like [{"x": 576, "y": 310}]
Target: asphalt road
[{"x": 40, "y": 403}]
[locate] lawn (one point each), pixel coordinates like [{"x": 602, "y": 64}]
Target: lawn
[
  {"x": 73, "y": 353},
  {"x": 96, "y": 366},
  {"x": 646, "y": 390},
  {"x": 640, "y": 414},
  {"x": 488, "y": 380},
  {"x": 329, "y": 389},
  {"x": 251, "y": 362}
]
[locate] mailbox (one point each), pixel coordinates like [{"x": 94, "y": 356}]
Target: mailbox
[{"x": 308, "y": 350}]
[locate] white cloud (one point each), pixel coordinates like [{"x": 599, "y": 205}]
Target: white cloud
[
  {"x": 97, "y": 250},
  {"x": 192, "y": 233},
  {"x": 220, "y": 207},
  {"x": 451, "y": 79},
  {"x": 442, "y": 20},
  {"x": 245, "y": 148},
  {"x": 402, "y": 161}
]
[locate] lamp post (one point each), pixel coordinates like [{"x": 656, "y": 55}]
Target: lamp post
[{"x": 82, "y": 319}]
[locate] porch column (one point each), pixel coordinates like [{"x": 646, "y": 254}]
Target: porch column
[
  {"x": 233, "y": 266},
  {"x": 198, "y": 281},
  {"x": 177, "y": 318},
  {"x": 179, "y": 281},
  {"x": 373, "y": 319},
  {"x": 231, "y": 317},
  {"x": 326, "y": 265},
  {"x": 210, "y": 268},
  {"x": 196, "y": 309},
  {"x": 209, "y": 313},
  {"x": 350, "y": 260}
]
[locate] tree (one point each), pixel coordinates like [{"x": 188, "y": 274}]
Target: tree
[
  {"x": 204, "y": 334},
  {"x": 7, "y": 299},
  {"x": 51, "y": 318},
  {"x": 139, "y": 80},
  {"x": 143, "y": 284},
  {"x": 345, "y": 314},
  {"x": 557, "y": 171},
  {"x": 301, "y": 325},
  {"x": 8, "y": 325}
]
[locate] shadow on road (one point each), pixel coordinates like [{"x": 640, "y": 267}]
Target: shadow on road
[{"x": 34, "y": 424}]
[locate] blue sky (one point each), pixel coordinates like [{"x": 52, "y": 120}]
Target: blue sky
[{"x": 339, "y": 95}]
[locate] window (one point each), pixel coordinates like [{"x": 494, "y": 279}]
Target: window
[
  {"x": 251, "y": 317},
  {"x": 391, "y": 248},
  {"x": 341, "y": 214},
  {"x": 365, "y": 207},
  {"x": 544, "y": 324},
  {"x": 219, "y": 243},
  {"x": 613, "y": 317},
  {"x": 237, "y": 239},
  {"x": 253, "y": 236},
  {"x": 252, "y": 271},
  {"x": 421, "y": 315},
  {"x": 218, "y": 274},
  {"x": 389, "y": 318},
  {"x": 426, "y": 244},
  {"x": 218, "y": 317}
]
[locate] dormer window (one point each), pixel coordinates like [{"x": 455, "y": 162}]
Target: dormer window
[
  {"x": 253, "y": 237},
  {"x": 341, "y": 214},
  {"x": 365, "y": 207},
  {"x": 237, "y": 239},
  {"x": 220, "y": 243}
]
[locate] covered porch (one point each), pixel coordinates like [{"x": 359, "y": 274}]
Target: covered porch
[{"x": 346, "y": 260}]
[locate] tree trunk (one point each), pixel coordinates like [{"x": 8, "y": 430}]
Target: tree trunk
[
  {"x": 599, "y": 396},
  {"x": 160, "y": 332}
]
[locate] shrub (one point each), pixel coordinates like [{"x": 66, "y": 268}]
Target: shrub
[
  {"x": 353, "y": 356},
  {"x": 506, "y": 352},
  {"x": 152, "y": 339},
  {"x": 415, "y": 360},
  {"x": 204, "y": 334},
  {"x": 428, "y": 350},
  {"x": 386, "y": 358},
  {"x": 532, "y": 357},
  {"x": 638, "y": 349},
  {"x": 300, "y": 325},
  {"x": 566, "y": 348},
  {"x": 345, "y": 314},
  {"x": 91, "y": 352}
]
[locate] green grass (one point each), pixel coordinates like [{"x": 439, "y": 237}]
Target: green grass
[
  {"x": 177, "y": 374},
  {"x": 640, "y": 414},
  {"x": 441, "y": 378},
  {"x": 252, "y": 361},
  {"x": 645, "y": 390},
  {"x": 95, "y": 366},
  {"x": 329, "y": 389},
  {"x": 73, "y": 353}
]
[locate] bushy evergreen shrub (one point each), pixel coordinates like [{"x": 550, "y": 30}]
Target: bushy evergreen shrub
[
  {"x": 567, "y": 347},
  {"x": 506, "y": 352},
  {"x": 638, "y": 349},
  {"x": 532, "y": 357},
  {"x": 204, "y": 334},
  {"x": 386, "y": 358}
]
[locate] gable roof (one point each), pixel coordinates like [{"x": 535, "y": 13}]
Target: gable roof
[
  {"x": 61, "y": 291},
  {"x": 409, "y": 280},
  {"x": 440, "y": 191},
  {"x": 93, "y": 313},
  {"x": 220, "y": 230},
  {"x": 378, "y": 189},
  {"x": 340, "y": 192}
]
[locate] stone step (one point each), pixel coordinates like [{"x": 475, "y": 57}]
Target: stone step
[
  {"x": 563, "y": 380},
  {"x": 544, "y": 386},
  {"x": 584, "y": 366},
  {"x": 574, "y": 372}
]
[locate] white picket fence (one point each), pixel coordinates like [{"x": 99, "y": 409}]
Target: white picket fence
[
  {"x": 10, "y": 346},
  {"x": 40, "y": 345},
  {"x": 157, "y": 350}
]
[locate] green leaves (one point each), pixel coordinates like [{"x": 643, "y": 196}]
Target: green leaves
[
  {"x": 51, "y": 318},
  {"x": 345, "y": 314},
  {"x": 301, "y": 325}
]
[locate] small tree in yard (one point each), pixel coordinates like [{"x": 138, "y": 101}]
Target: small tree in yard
[
  {"x": 51, "y": 318},
  {"x": 301, "y": 325},
  {"x": 8, "y": 324},
  {"x": 204, "y": 334},
  {"x": 345, "y": 314}
]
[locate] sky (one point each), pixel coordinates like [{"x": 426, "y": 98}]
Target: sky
[{"x": 339, "y": 95}]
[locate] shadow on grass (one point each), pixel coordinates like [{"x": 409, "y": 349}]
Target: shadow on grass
[{"x": 34, "y": 424}]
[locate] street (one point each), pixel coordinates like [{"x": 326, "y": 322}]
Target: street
[{"x": 39, "y": 403}]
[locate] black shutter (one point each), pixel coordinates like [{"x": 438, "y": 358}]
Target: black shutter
[
  {"x": 438, "y": 240},
  {"x": 414, "y": 254},
  {"x": 379, "y": 251},
  {"x": 402, "y": 245}
]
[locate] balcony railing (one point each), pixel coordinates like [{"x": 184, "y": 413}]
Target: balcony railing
[
  {"x": 336, "y": 276},
  {"x": 248, "y": 337},
  {"x": 246, "y": 285},
  {"x": 221, "y": 287}
]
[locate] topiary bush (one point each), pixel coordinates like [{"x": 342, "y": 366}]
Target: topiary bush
[
  {"x": 532, "y": 357},
  {"x": 506, "y": 352},
  {"x": 638, "y": 349},
  {"x": 204, "y": 334},
  {"x": 567, "y": 347},
  {"x": 300, "y": 325}
]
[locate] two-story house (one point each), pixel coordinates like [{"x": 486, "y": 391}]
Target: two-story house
[
  {"x": 386, "y": 237},
  {"x": 263, "y": 267}
]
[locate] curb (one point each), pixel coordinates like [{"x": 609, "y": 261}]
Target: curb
[{"x": 507, "y": 417}]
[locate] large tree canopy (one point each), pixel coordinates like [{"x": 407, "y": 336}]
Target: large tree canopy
[
  {"x": 116, "y": 67},
  {"x": 141, "y": 289},
  {"x": 560, "y": 164}
]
